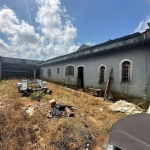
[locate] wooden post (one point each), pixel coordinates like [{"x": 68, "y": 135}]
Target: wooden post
[
  {"x": 34, "y": 71},
  {"x": 108, "y": 86}
]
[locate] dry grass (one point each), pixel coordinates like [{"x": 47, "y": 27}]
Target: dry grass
[{"x": 20, "y": 131}]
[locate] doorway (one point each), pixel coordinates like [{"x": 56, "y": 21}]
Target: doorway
[{"x": 80, "y": 78}]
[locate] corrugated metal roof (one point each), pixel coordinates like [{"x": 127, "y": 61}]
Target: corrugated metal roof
[{"x": 111, "y": 44}]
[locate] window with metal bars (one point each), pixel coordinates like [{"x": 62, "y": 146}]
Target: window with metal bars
[
  {"x": 49, "y": 72},
  {"x": 102, "y": 74},
  {"x": 70, "y": 71},
  {"x": 126, "y": 71}
]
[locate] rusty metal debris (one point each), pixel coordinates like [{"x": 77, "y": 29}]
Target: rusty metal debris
[{"x": 27, "y": 87}]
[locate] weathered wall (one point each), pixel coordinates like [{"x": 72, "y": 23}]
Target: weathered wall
[
  {"x": 148, "y": 70},
  {"x": 111, "y": 60},
  {"x": 0, "y": 68},
  {"x": 15, "y": 67},
  {"x": 19, "y": 61}
]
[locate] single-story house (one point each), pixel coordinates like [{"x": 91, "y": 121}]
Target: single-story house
[{"x": 90, "y": 66}]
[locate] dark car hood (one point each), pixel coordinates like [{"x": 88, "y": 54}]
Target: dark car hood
[{"x": 131, "y": 132}]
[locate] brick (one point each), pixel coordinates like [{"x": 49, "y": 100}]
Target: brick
[{"x": 52, "y": 103}]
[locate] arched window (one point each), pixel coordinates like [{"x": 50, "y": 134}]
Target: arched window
[
  {"x": 126, "y": 71},
  {"x": 102, "y": 73},
  {"x": 126, "y": 66},
  {"x": 57, "y": 69},
  {"x": 70, "y": 70},
  {"x": 49, "y": 72}
]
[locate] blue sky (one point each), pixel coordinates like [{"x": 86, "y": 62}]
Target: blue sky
[{"x": 43, "y": 29}]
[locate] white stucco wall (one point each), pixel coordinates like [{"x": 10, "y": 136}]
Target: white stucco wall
[
  {"x": 0, "y": 70},
  {"x": 137, "y": 55}
]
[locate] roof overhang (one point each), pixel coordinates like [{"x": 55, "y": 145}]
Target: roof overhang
[{"x": 99, "y": 49}]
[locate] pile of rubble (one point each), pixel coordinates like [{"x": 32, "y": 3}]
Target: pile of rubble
[
  {"x": 125, "y": 107},
  {"x": 59, "y": 110}
]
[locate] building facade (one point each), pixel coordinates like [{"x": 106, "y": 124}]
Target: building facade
[{"x": 128, "y": 56}]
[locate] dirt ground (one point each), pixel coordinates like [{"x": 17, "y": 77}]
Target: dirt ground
[{"x": 19, "y": 130}]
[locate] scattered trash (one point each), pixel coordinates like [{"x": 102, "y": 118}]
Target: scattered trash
[
  {"x": 125, "y": 107},
  {"x": 88, "y": 138},
  {"x": 91, "y": 143},
  {"x": 27, "y": 87},
  {"x": 69, "y": 112},
  {"x": 31, "y": 108},
  {"x": 30, "y": 111},
  {"x": 59, "y": 110}
]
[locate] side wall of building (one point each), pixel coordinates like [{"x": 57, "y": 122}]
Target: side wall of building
[
  {"x": 137, "y": 55},
  {"x": 0, "y": 69},
  {"x": 148, "y": 72},
  {"x": 15, "y": 67}
]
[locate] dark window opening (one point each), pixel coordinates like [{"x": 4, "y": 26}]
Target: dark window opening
[
  {"x": 57, "y": 69},
  {"x": 102, "y": 74},
  {"x": 49, "y": 72},
  {"x": 41, "y": 72},
  {"x": 80, "y": 77},
  {"x": 126, "y": 71}
]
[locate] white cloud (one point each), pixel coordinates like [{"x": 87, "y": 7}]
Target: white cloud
[
  {"x": 56, "y": 38},
  {"x": 56, "y": 26},
  {"x": 4, "y": 48},
  {"x": 21, "y": 36},
  {"x": 143, "y": 25}
]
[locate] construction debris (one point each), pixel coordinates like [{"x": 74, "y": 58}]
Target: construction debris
[
  {"x": 125, "y": 107},
  {"x": 31, "y": 108},
  {"x": 59, "y": 110},
  {"x": 148, "y": 111},
  {"x": 30, "y": 111}
]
